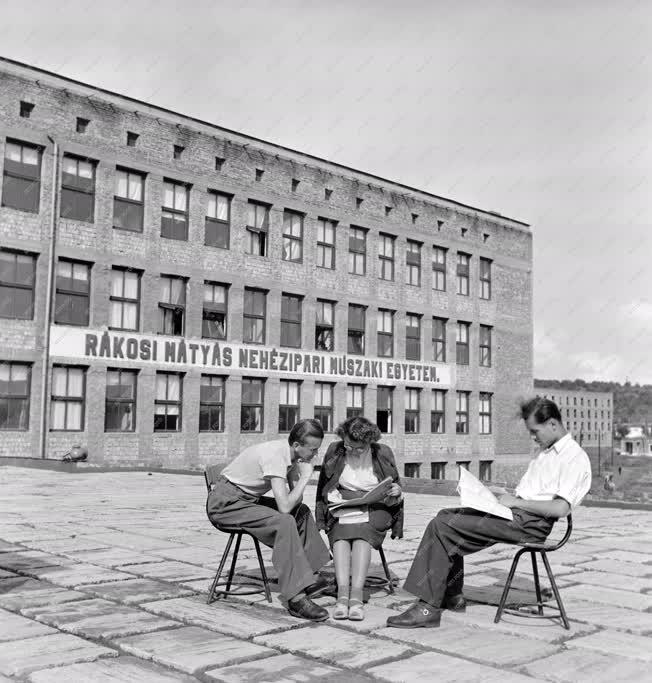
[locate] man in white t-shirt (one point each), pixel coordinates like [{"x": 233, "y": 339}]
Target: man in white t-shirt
[
  {"x": 282, "y": 522},
  {"x": 556, "y": 481}
]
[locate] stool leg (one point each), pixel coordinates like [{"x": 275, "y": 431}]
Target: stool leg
[
  {"x": 390, "y": 584},
  {"x": 235, "y": 557},
  {"x": 263, "y": 573},
  {"x": 555, "y": 590},
  {"x": 535, "y": 572},
  {"x": 508, "y": 585},
  {"x": 225, "y": 554}
]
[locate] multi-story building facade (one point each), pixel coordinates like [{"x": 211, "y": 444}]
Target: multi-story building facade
[
  {"x": 588, "y": 415},
  {"x": 172, "y": 291}
]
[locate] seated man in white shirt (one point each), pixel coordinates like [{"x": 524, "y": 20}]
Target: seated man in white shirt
[
  {"x": 281, "y": 522},
  {"x": 555, "y": 481}
]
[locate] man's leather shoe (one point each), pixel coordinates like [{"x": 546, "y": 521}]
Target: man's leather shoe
[
  {"x": 305, "y": 608},
  {"x": 314, "y": 590},
  {"x": 420, "y": 615},
  {"x": 455, "y": 603}
]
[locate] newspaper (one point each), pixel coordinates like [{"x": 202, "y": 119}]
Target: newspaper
[
  {"x": 474, "y": 494},
  {"x": 375, "y": 495}
]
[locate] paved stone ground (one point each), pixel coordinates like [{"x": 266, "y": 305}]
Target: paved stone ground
[{"x": 103, "y": 577}]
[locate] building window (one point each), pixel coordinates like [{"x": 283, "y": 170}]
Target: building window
[
  {"x": 132, "y": 138},
  {"x": 356, "y": 331},
  {"x": 17, "y": 278},
  {"x": 291, "y": 321},
  {"x": 462, "y": 343},
  {"x": 21, "y": 187},
  {"x": 167, "y": 403},
  {"x": 292, "y": 236},
  {"x": 255, "y": 303},
  {"x": 67, "y": 400},
  {"x": 251, "y": 406},
  {"x": 413, "y": 264},
  {"x": 438, "y": 411},
  {"x": 72, "y": 293},
  {"x": 439, "y": 340},
  {"x": 124, "y": 299},
  {"x": 81, "y": 124},
  {"x": 438, "y": 470},
  {"x": 128, "y": 200},
  {"x": 463, "y": 267},
  {"x": 384, "y": 401},
  {"x": 15, "y": 384},
  {"x": 120, "y": 402},
  {"x": 218, "y": 220},
  {"x": 412, "y": 470},
  {"x": 484, "y": 426},
  {"x": 357, "y": 251},
  {"x": 462, "y": 412},
  {"x": 325, "y": 326},
  {"x": 412, "y": 404},
  {"x": 174, "y": 213},
  {"x": 439, "y": 269},
  {"x": 211, "y": 403},
  {"x": 485, "y": 279},
  {"x": 385, "y": 333},
  {"x": 462, "y": 465},
  {"x": 257, "y": 228},
  {"x": 214, "y": 313},
  {"x": 26, "y": 109},
  {"x": 326, "y": 243},
  {"x": 412, "y": 337},
  {"x": 324, "y": 405},
  {"x": 485, "y": 346},
  {"x": 386, "y": 256},
  {"x": 172, "y": 305},
  {"x": 354, "y": 400},
  {"x": 77, "y": 188}
]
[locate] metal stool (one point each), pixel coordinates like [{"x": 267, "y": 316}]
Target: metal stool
[
  {"x": 378, "y": 581},
  {"x": 251, "y": 587},
  {"x": 542, "y": 549}
]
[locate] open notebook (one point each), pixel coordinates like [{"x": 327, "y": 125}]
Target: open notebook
[
  {"x": 376, "y": 494},
  {"x": 474, "y": 494}
]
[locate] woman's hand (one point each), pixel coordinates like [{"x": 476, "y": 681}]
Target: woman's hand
[{"x": 394, "y": 491}]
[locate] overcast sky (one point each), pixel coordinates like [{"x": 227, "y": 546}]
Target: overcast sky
[{"x": 537, "y": 109}]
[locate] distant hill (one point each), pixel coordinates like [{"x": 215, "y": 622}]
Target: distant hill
[{"x": 632, "y": 402}]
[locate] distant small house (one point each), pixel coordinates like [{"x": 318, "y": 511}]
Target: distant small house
[{"x": 636, "y": 442}]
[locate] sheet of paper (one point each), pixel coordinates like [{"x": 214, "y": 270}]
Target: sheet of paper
[
  {"x": 376, "y": 494},
  {"x": 474, "y": 494}
]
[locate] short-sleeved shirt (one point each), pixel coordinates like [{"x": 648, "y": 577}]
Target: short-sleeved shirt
[
  {"x": 562, "y": 470},
  {"x": 254, "y": 467}
]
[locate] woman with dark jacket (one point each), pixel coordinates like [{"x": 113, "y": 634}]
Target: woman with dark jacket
[{"x": 351, "y": 467}]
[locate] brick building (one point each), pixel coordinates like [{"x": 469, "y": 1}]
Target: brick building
[
  {"x": 208, "y": 288},
  {"x": 588, "y": 415}
]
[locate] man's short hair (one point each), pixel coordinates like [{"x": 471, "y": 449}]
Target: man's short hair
[
  {"x": 543, "y": 409},
  {"x": 304, "y": 429}
]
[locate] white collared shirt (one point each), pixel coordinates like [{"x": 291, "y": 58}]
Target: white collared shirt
[{"x": 563, "y": 470}]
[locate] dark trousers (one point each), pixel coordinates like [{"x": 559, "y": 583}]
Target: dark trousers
[
  {"x": 298, "y": 550},
  {"x": 438, "y": 566}
]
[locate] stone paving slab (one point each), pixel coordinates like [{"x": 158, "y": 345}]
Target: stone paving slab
[
  {"x": 64, "y": 546},
  {"x": 42, "y": 652},
  {"x": 25, "y": 561},
  {"x": 114, "y": 670},
  {"x": 134, "y": 591},
  {"x": 607, "y": 616},
  {"x": 191, "y": 649},
  {"x": 611, "y": 580},
  {"x": 79, "y": 574},
  {"x": 496, "y": 648},
  {"x": 284, "y": 669},
  {"x": 4, "y": 574},
  {"x": 169, "y": 570},
  {"x": 579, "y": 666},
  {"x": 615, "y": 643},
  {"x": 44, "y": 595},
  {"x": 244, "y": 621},
  {"x": 608, "y": 596},
  {"x": 627, "y": 556},
  {"x": 429, "y": 667},
  {"x": 98, "y": 618},
  {"x": 14, "y": 627},
  {"x": 618, "y": 567},
  {"x": 335, "y": 646},
  {"x": 112, "y": 557}
]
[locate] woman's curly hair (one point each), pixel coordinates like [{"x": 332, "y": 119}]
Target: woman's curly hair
[{"x": 359, "y": 430}]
